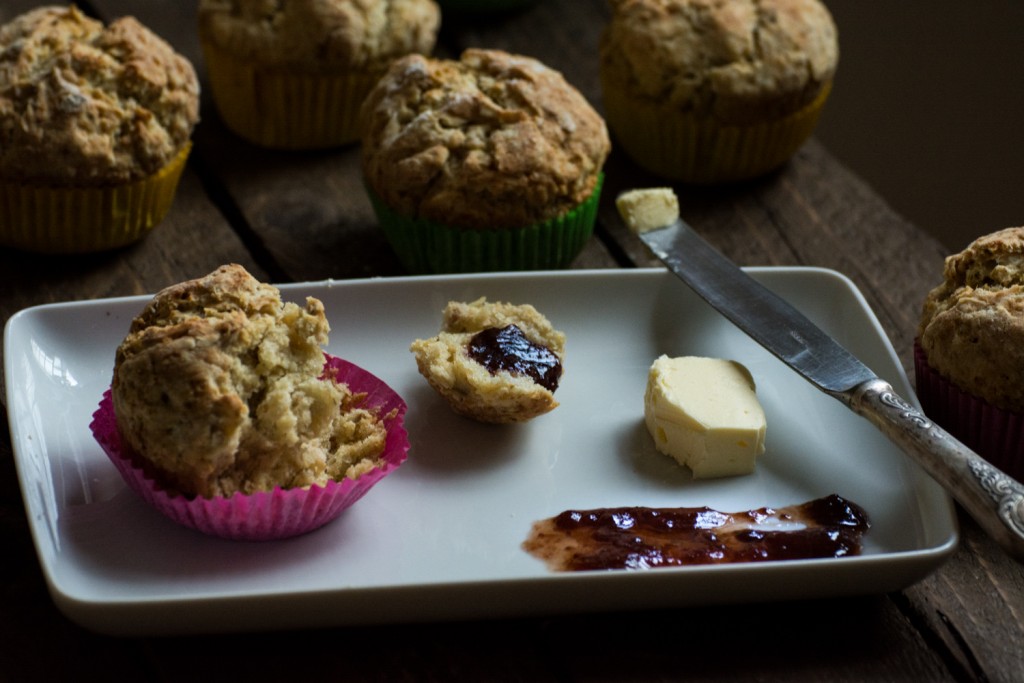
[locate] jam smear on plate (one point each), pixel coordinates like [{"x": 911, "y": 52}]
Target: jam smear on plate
[{"x": 646, "y": 538}]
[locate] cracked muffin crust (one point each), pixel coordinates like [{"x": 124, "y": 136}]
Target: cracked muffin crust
[
  {"x": 738, "y": 61},
  {"x": 86, "y": 105},
  {"x": 292, "y": 75},
  {"x": 492, "y": 141},
  {"x": 320, "y": 35},
  {"x": 972, "y": 325},
  {"x": 218, "y": 388},
  {"x": 476, "y": 390},
  {"x": 712, "y": 91}
]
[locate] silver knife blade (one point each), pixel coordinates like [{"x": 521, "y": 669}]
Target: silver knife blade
[
  {"x": 766, "y": 317},
  {"x": 994, "y": 499}
]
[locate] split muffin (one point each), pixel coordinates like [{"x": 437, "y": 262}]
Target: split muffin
[
  {"x": 493, "y": 361},
  {"x": 221, "y": 392}
]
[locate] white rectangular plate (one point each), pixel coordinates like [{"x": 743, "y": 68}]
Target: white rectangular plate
[{"x": 440, "y": 538}]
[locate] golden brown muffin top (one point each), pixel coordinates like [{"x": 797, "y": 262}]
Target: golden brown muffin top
[
  {"x": 84, "y": 104},
  {"x": 317, "y": 34},
  {"x": 737, "y": 60},
  {"x": 493, "y": 140},
  {"x": 217, "y": 387},
  {"x": 972, "y": 325}
]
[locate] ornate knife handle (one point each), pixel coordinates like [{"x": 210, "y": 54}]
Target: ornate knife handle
[{"x": 994, "y": 499}]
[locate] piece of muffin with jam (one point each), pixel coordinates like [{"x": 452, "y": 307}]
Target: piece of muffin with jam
[{"x": 494, "y": 362}]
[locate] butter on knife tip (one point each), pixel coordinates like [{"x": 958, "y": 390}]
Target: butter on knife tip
[{"x": 648, "y": 209}]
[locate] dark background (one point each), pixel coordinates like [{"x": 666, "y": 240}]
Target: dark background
[{"x": 928, "y": 107}]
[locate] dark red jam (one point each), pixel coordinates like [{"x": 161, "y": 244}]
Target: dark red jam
[
  {"x": 644, "y": 538},
  {"x": 508, "y": 349}
]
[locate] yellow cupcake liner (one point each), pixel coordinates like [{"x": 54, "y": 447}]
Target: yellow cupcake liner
[
  {"x": 425, "y": 246},
  {"x": 284, "y": 108},
  {"x": 53, "y": 219},
  {"x": 700, "y": 150}
]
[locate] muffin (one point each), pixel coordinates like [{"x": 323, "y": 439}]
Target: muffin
[
  {"x": 95, "y": 129},
  {"x": 493, "y": 362},
  {"x": 705, "y": 92},
  {"x": 490, "y": 162},
  {"x": 292, "y": 75},
  {"x": 969, "y": 355},
  {"x": 221, "y": 392}
]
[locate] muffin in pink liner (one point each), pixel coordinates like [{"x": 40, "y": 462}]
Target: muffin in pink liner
[
  {"x": 969, "y": 351},
  {"x": 220, "y": 395},
  {"x": 279, "y": 513}
]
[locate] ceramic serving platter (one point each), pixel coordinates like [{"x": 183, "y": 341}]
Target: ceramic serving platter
[{"x": 441, "y": 537}]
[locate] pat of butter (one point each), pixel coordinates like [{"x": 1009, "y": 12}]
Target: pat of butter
[
  {"x": 648, "y": 209},
  {"x": 704, "y": 413}
]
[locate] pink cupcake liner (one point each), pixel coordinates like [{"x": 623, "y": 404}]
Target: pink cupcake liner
[
  {"x": 993, "y": 433},
  {"x": 280, "y": 513}
]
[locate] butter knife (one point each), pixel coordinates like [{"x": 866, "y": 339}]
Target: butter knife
[{"x": 994, "y": 499}]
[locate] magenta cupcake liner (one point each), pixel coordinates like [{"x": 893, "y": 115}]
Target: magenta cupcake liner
[
  {"x": 271, "y": 515},
  {"x": 993, "y": 433}
]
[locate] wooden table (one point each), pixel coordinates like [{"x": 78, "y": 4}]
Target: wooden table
[{"x": 299, "y": 217}]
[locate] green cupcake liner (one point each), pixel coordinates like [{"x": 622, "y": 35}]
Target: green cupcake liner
[{"x": 425, "y": 246}]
